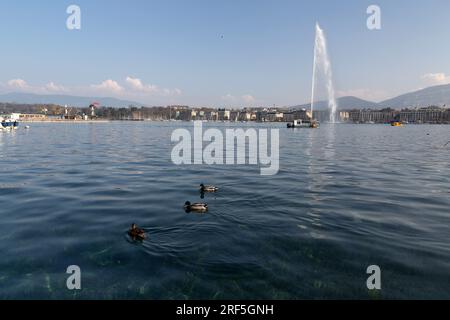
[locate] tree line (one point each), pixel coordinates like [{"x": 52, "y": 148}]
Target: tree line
[{"x": 129, "y": 113}]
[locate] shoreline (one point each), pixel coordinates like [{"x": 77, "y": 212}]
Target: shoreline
[
  {"x": 65, "y": 121},
  {"x": 182, "y": 121}
]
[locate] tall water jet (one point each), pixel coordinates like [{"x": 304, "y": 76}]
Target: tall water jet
[{"x": 322, "y": 63}]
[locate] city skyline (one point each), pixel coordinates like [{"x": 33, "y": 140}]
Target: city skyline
[{"x": 211, "y": 53}]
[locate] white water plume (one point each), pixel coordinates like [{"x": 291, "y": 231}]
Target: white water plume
[{"x": 322, "y": 64}]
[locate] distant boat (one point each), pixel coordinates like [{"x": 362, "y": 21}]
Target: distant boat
[
  {"x": 396, "y": 124},
  {"x": 9, "y": 122},
  {"x": 303, "y": 124}
]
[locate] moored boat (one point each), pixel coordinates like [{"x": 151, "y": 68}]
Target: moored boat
[
  {"x": 9, "y": 122},
  {"x": 396, "y": 124},
  {"x": 303, "y": 124}
]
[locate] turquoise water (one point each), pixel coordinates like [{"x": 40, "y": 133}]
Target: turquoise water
[{"x": 346, "y": 197}]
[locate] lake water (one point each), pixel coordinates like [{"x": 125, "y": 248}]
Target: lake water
[{"x": 346, "y": 197}]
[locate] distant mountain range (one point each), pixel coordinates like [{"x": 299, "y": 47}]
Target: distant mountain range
[
  {"x": 73, "y": 101},
  {"x": 437, "y": 95},
  {"x": 343, "y": 103}
]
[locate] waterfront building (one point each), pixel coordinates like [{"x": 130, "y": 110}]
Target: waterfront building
[
  {"x": 344, "y": 116},
  {"x": 288, "y": 116},
  {"x": 184, "y": 115},
  {"x": 244, "y": 116},
  {"x": 224, "y": 115},
  {"x": 301, "y": 114},
  {"x": 417, "y": 115},
  {"x": 372, "y": 116},
  {"x": 213, "y": 116},
  {"x": 32, "y": 117},
  {"x": 234, "y": 115},
  {"x": 273, "y": 116},
  {"x": 424, "y": 115},
  {"x": 261, "y": 115}
]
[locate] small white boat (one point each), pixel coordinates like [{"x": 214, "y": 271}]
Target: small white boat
[
  {"x": 9, "y": 122},
  {"x": 303, "y": 124}
]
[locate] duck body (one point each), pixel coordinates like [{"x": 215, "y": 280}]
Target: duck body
[
  {"x": 136, "y": 233},
  {"x": 198, "y": 207},
  {"x": 204, "y": 188}
]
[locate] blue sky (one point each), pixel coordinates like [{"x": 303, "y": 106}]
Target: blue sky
[{"x": 221, "y": 53}]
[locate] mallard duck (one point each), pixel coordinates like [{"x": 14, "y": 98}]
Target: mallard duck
[
  {"x": 136, "y": 233},
  {"x": 204, "y": 188},
  {"x": 199, "y": 207}
]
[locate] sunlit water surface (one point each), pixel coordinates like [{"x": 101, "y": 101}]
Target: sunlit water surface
[{"x": 346, "y": 197}]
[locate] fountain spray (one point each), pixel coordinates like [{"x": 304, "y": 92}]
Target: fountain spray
[{"x": 322, "y": 63}]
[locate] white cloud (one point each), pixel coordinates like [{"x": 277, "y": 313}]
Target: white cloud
[
  {"x": 52, "y": 87},
  {"x": 22, "y": 85},
  {"x": 248, "y": 99},
  {"x": 131, "y": 88},
  {"x": 137, "y": 85},
  {"x": 169, "y": 92},
  {"x": 108, "y": 86},
  {"x": 436, "y": 78},
  {"x": 18, "y": 84},
  {"x": 228, "y": 97}
]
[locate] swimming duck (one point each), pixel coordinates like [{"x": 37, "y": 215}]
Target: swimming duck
[
  {"x": 204, "y": 188},
  {"x": 136, "y": 233},
  {"x": 199, "y": 207}
]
